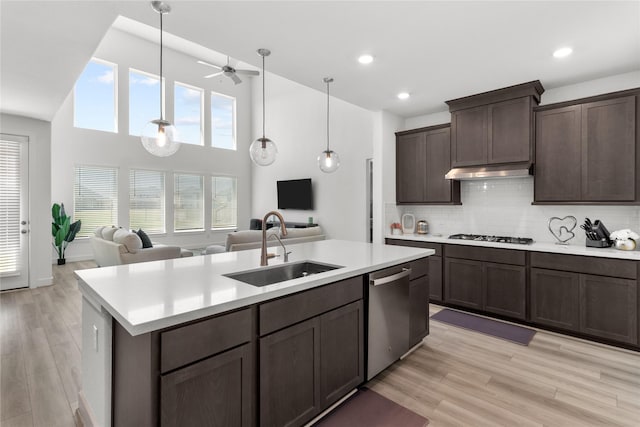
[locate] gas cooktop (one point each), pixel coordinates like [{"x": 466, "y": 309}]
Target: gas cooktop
[{"x": 497, "y": 239}]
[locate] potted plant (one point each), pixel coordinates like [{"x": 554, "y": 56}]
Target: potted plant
[{"x": 63, "y": 230}]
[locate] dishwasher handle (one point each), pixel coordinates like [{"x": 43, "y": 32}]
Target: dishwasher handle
[{"x": 387, "y": 279}]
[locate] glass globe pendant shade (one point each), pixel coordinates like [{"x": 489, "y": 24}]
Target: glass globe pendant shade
[
  {"x": 159, "y": 138},
  {"x": 328, "y": 161},
  {"x": 263, "y": 151}
]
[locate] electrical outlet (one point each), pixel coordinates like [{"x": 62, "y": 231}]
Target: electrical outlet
[{"x": 95, "y": 337}]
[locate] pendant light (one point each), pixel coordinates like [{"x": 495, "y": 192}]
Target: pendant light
[
  {"x": 263, "y": 150},
  {"x": 328, "y": 160},
  {"x": 159, "y": 135}
]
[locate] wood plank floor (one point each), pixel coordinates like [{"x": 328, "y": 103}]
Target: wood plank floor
[{"x": 457, "y": 378}]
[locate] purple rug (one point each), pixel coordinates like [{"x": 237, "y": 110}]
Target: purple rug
[
  {"x": 366, "y": 408},
  {"x": 506, "y": 331}
]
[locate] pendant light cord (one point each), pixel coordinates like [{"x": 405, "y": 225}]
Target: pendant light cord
[
  {"x": 263, "y": 115},
  {"x": 328, "y": 116},
  {"x": 161, "y": 82}
]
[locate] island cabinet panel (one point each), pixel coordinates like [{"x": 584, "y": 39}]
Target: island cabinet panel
[
  {"x": 609, "y": 308},
  {"x": 588, "y": 152},
  {"x": 419, "y": 309},
  {"x": 555, "y": 298},
  {"x": 214, "y": 392},
  {"x": 463, "y": 282},
  {"x": 290, "y": 375},
  {"x": 341, "y": 352}
]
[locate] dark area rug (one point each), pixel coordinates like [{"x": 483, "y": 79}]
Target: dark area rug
[
  {"x": 506, "y": 331},
  {"x": 366, "y": 408}
]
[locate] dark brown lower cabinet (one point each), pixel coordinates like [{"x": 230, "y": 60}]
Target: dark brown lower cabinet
[
  {"x": 609, "y": 308},
  {"x": 341, "y": 352},
  {"x": 213, "y": 392},
  {"x": 308, "y": 366},
  {"x": 463, "y": 282},
  {"x": 505, "y": 290},
  {"x": 435, "y": 278},
  {"x": 555, "y": 298},
  {"x": 600, "y": 306},
  {"x": 419, "y": 309}
]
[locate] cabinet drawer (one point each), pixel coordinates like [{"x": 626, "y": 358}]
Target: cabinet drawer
[
  {"x": 415, "y": 244},
  {"x": 419, "y": 268},
  {"x": 196, "y": 341},
  {"x": 500, "y": 256},
  {"x": 584, "y": 264},
  {"x": 283, "y": 312}
]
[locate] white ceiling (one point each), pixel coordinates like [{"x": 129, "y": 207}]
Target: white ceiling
[{"x": 434, "y": 50}]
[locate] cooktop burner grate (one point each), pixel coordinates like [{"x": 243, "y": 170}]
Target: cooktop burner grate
[{"x": 497, "y": 239}]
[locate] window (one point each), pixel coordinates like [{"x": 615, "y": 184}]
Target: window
[
  {"x": 224, "y": 202},
  {"x": 146, "y": 200},
  {"x": 95, "y": 197},
  {"x": 188, "y": 113},
  {"x": 144, "y": 100},
  {"x": 188, "y": 202},
  {"x": 223, "y": 121},
  {"x": 94, "y": 97}
]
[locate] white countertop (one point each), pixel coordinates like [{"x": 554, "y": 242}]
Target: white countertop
[
  {"x": 148, "y": 296},
  {"x": 534, "y": 247}
]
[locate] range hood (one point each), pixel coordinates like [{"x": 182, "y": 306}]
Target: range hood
[{"x": 514, "y": 170}]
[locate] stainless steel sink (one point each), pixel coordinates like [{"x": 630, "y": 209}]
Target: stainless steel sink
[{"x": 281, "y": 273}]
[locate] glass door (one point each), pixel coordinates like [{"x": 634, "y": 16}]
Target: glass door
[{"x": 14, "y": 210}]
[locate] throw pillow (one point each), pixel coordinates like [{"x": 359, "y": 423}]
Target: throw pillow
[
  {"x": 146, "y": 241},
  {"x": 107, "y": 233},
  {"x": 130, "y": 240}
]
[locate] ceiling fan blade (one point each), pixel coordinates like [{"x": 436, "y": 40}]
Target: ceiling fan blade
[
  {"x": 235, "y": 78},
  {"x": 209, "y": 65},
  {"x": 213, "y": 75},
  {"x": 248, "y": 72}
]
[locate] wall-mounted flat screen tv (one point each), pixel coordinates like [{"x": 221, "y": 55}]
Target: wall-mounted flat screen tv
[{"x": 295, "y": 194}]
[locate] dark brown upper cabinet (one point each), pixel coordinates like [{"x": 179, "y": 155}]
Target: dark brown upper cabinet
[
  {"x": 423, "y": 157},
  {"x": 494, "y": 127},
  {"x": 587, "y": 151}
]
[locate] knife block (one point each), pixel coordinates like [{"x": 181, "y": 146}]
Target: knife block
[{"x": 602, "y": 243}]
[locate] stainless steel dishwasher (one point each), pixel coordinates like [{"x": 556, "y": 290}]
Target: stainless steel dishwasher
[{"x": 388, "y": 337}]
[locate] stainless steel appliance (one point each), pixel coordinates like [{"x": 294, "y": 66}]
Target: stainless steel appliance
[
  {"x": 388, "y": 317},
  {"x": 422, "y": 227},
  {"x": 497, "y": 239}
]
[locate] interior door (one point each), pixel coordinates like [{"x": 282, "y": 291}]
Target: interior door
[{"x": 14, "y": 210}]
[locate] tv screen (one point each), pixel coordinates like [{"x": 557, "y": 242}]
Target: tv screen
[{"x": 295, "y": 194}]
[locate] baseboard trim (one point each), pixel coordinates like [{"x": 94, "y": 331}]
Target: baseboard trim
[
  {"x": 54, "y": 261},
  {"x": 84, "y": 412},
  {"x": 46, "y": 281}
]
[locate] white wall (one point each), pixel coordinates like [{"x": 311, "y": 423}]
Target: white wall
[
  {"x": 504, "y": 206},
  {"x": 296, "y": 122},
  {"x": 72, "y": 146},
  {"x": 40, "y": 250}
]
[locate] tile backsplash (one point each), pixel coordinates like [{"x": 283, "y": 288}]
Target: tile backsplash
[{"x": 503, "y": 207}]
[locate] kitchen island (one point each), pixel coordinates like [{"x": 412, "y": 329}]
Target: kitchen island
[{"x": 156, "y": 332}]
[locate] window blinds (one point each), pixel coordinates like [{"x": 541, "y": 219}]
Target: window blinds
[
  {"x": 146, "y": 200},
  {"x": 95, "y": 197},
  {"x": 188, "y": 202},
  {"x": 224, "y": 202},
  {"x": 10, "y": 187}
]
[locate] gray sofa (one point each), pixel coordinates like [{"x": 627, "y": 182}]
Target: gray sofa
[
  {"x": 252, "y": 239},
  {"x": 115, "y": 246}
]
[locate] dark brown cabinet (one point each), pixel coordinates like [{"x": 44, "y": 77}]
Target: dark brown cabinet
[
  {"x": 423, "y": 157},
  {"x": 494, "y": 127},
  {"x": 588, "y": 152},
  {"x": 419, "y": 301},
  {"x": 434, "y": 275},
  {"x": 307, "y": 366},
  {"x": 213, "y": 392},
  {"x": 583, "y": 299},
  {"x": 480, "y": 278}
]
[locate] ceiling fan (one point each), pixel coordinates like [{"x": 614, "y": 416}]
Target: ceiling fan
[{"x": 229, "y": 71}]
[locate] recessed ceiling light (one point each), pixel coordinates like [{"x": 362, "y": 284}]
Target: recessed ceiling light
[
  {"x": 403, "y": 95},
  {"x": 562, "y": 52},
  {"x": 365, "y": 59}
]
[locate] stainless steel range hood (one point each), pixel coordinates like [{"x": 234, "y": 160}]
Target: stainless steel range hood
[{"x": 515, "y": 170}]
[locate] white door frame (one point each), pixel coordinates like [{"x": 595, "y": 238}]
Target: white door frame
[{"x": 20, "y": 277}]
